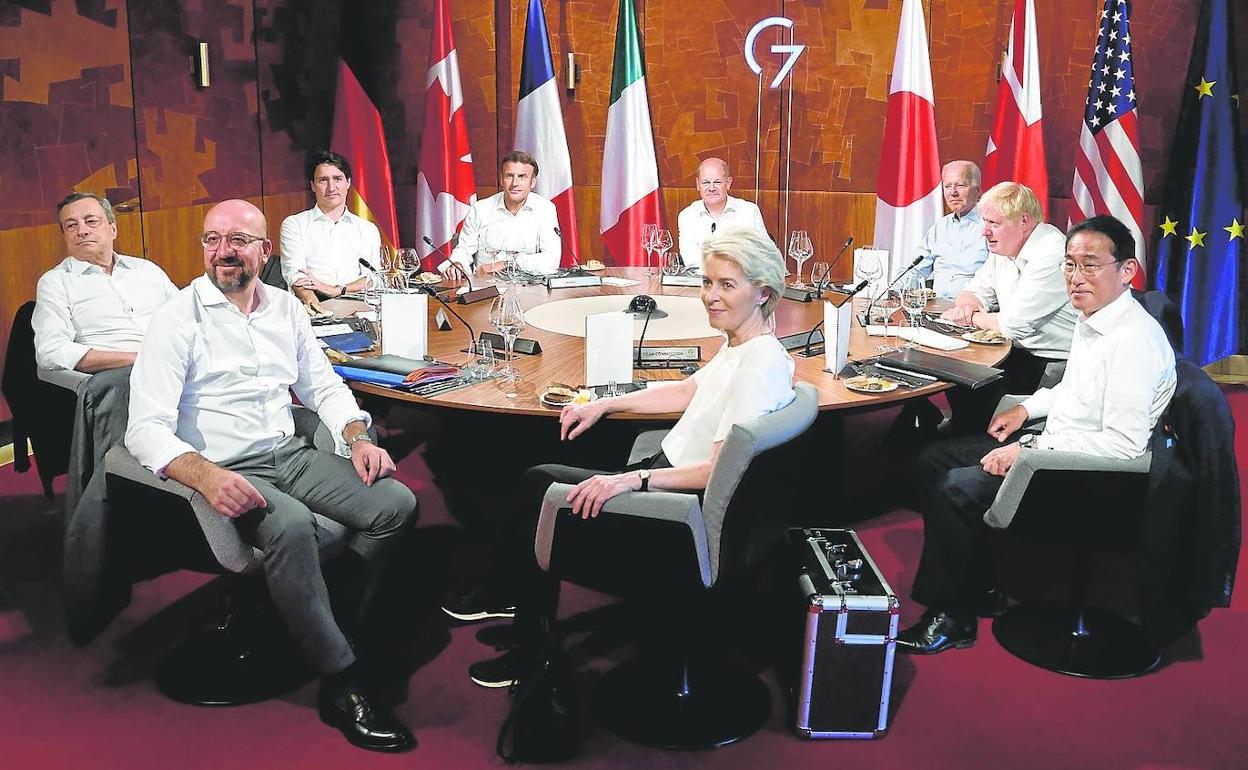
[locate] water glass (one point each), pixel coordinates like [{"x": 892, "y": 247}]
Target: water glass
[
  {"x": 672, "y": 265},
  {"x": 885, "y": 306},
  {"x": 913, "y": 301}
]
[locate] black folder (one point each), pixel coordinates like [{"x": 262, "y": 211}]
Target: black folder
[{"x": 943, "y": 367}]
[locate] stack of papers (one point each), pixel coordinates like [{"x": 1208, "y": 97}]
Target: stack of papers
[{"x": 925, "y": 337}]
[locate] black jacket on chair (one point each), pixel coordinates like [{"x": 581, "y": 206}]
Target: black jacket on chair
[{"x": 1190, "y": 532}]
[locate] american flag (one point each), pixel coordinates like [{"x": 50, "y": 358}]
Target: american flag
[{"x": 1108, "y": 175}]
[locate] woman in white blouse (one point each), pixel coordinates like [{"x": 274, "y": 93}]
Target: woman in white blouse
[{"x": 751, "y": 375}]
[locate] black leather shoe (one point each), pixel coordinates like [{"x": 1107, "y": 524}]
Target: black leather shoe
[
  {"x": 348, "y": 709},
  {"x": 936, "y": 632},
  {"x": 507, "y": 669}
]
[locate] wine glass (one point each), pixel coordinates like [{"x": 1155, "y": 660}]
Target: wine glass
[
  {"x": 507, "y": 316},
  {"x": 913, "y": 301},
  {"x": 648, "y": 232},
  {"x": 800, "y": 249},
  {"x": 883, "y": 309},
  {"x": 408, "y": 263},
  {"x": 819, "y": 274},
  {"x": 662, "y": 243},
  {"x": 513, "y": 247},
  {"x": 870, "y": 267}
]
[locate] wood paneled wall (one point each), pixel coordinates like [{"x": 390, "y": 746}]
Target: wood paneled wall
[{"x": 98, "y": 96}]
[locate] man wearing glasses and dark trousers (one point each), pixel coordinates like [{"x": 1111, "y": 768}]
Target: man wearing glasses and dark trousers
[
  {"x": 210, "y": 406},
  {"x": 1118, "y": 381}
]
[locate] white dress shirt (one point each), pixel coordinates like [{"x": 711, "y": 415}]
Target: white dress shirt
[
  {"x": 212, "y": 380},
  {"x": 740, "y": 383},
  {"x": 953, "y": 249},
  {"x": 1028, "y": 293},
  {"x": 696, "y": 224},
  {"x": 314, "y": 243},
  {"x": 1118, "y": 381},
  {"x": 79, "y": 306},
  {"x": 489, "y": 225}
]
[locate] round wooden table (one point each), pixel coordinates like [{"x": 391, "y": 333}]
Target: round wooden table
[{"x": 563, "y": 356}]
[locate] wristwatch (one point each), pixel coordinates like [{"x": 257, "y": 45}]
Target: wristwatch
[
  {"x": 1028, "y": 440},
  {"x": 644, "y": 475},
  {"x": 361, "y": 436}
]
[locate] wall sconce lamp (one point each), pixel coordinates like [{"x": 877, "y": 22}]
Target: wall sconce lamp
[
  {"x": 199, "y": 66},
  {"x": 572, "y": 73}
]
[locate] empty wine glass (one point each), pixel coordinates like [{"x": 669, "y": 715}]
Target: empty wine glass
[
  {"x": 800, "y": 250},
  {"x": 507, "y": 316},
  {"x": 871, "y": 267},
  {"x": 648, "y": 232},
  {"x": 913, "y": 301},
  {"x": 883, "y": 309},
  {"x": 662, "y": 244},
  {"x": 512, "y": 247},
  {"x": 408, "y": 263}
]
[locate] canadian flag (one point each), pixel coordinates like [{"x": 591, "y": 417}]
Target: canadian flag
[
  {"x": 445, "y": 188},
  {"x": 908, "y": 188},
  {"x": 1016, "y": 143}
]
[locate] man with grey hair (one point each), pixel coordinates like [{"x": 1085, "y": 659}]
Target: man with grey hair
[
  {"x": 92, "y": 310},
  {"x": 714, "y": 211},
  {"x": 954, "y": 248}
]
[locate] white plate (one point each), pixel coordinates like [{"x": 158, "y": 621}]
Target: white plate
[
  {"x": 970, "y": 337},
  {"x": 881, "y": 385},
  {"x": 559, "y": 405}
]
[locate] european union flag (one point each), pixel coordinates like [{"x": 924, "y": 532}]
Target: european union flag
[{"x": 1200, "y": 257}]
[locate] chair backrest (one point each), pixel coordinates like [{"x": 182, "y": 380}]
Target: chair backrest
[
  {"x": 752, "y": 485},
  {"x": 271, "y": 273},
  {"x": 42, "y": 413},
  {"x": 1165, "y": 312}
]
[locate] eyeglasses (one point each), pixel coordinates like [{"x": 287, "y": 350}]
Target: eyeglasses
[
  {"x": 237, "y": 241},
  {"x": 1087, "y": 271}
]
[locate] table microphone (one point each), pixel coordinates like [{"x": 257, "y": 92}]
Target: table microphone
[
  {"x": 823, "y": 281},
  {"x": 891, "y": 284},
  {"x": 576, "y": 268},
  {"x": 473, "y": 294},
  {"x": 713, "y": 228}
]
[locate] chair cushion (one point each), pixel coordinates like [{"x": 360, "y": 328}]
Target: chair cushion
[{"x": 1010, "y": 495}]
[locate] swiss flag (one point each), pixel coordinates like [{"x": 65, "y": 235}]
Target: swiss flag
[
  {"x": 908, "y": 188},
  {"x": 445, "y": 188},
  {"x": 1016, "y": 143}
]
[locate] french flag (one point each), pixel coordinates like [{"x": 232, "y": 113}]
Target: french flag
[{"x": 539, "y": 129}]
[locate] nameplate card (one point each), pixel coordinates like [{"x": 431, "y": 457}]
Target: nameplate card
[
  {"x": 799, "y": 295},
  {"x": 476, "y": 295},
  {"x": 668, "y": 356},
  {"x": 404, "y": 328},
  {"x": 522, "y": 345},
  {"x": 608, "y": 348},
  {"x": 573, "y": 281},
  {"x": 681, "y": 280}
]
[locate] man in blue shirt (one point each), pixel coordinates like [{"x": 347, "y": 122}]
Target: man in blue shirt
[{"x": 954, "y": 247}]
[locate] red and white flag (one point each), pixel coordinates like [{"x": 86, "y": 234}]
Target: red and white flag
[
  {"x": 1109, "y": 178},
  {"x": 908, "y": 188},
  {"x": 445, "y": 188},
  {"x": 1016, "y": 143},
  {"x": 540, "y": 132}
]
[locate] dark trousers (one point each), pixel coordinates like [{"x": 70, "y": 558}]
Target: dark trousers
[
  {"x": 972, "y": 409},
  {"x": 955, "y": 491},
  {"x": 295, "y": 480}
]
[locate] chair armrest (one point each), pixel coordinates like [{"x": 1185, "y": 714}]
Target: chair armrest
[
  {"x": 1008, "y": 401},
  {"x": 647, "y": 444},
  {"x": 678, "y": 507},
  {"x": 1010, "y": 495},
  {"x": 69, "y": 379},
  {"x": 227, "y": 547}
]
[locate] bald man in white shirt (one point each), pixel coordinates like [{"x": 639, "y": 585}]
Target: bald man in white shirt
[
  {"x": 92, "y": 310},
  {"x": 1118, "y": 382},
  {"x": 715, "y": 211}
]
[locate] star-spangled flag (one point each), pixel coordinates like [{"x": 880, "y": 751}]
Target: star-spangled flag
[
  {"x": 1109, "y": 178},
  {"x": 445, "y": 188},
  {"x": 1200, "y": 255},
  {"x": 540, "y": 131},
  {"x": 1016, "y": 142},
  {"x": 908, "y": 194}
]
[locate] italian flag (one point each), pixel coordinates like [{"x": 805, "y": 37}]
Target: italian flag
[{"x": 630, "y": 173}]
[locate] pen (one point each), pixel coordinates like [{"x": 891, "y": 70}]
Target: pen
[{"x": 917, "y": 375}]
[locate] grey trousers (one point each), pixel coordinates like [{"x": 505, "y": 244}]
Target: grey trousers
[{"x": 296, "y": 479}]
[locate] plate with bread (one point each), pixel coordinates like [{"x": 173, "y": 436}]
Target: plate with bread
[
  {"x": 558, "y": 396},
  {"x": 984, "y": 337},
  {"x": 868, "y": 384}
]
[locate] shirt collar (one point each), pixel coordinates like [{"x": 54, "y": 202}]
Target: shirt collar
[
  {"x": 210, "y": 295},
  {"x": 729, "y": 205},
  {"x": 1107, "y": 317},
  {"x": 81, "y": 266},
  {"x": 971, "y": 216},
  {"x": 321, "y": 215},
  {"x": 501, "y": 202}
]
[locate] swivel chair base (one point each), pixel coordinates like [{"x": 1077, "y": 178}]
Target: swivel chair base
[
  {"x": 721, "y": 704},
  {"x": 228, "y": 666},
  {"x": 1095, "y": 643}
]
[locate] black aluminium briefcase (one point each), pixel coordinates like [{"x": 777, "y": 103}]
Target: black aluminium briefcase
[{"x": 846, "y": 675}]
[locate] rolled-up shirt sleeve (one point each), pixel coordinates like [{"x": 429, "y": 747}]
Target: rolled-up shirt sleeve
[
  {"x": 1039, "y": 295},
  {"x": 156, "y": 386},
  {"x": 294, "y": 249},
  {"x": 55, "y": 347},
  {"x": 320, "y": 388},
  {"x": 984, "y": 284}
]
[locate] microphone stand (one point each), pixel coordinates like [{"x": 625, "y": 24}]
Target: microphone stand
[
  {"x": 823, "y": 280},
  {"x": 887, "y": 288}
]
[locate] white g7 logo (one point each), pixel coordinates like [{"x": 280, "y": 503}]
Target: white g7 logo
[{"x": 794, "y": 51}]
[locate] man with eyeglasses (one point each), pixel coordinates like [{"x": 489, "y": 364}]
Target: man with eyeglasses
[
  {"x": 93, "y": 309},
  {"x": 714, "y": 211},
  {"x": 322, "y": 247},
  {"x": 210, "y": 406},
  {"x": 1118, "y": 381},
  {"x": 954, "y": 247}
]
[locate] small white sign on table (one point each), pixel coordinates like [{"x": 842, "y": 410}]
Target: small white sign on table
[
  {"x": 404, "y": 325},
  {"x": 608, "y": 348},
  {"x": 836, "y": 321}
]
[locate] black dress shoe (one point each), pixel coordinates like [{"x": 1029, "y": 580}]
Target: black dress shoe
[
  {"x": 347, "y": 708},
  {"x": 991, "y": 605},
  {"x": 936, "y": 632}
]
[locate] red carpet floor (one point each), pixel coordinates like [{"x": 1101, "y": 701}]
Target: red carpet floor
[{"x": 96, "y": 707}]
